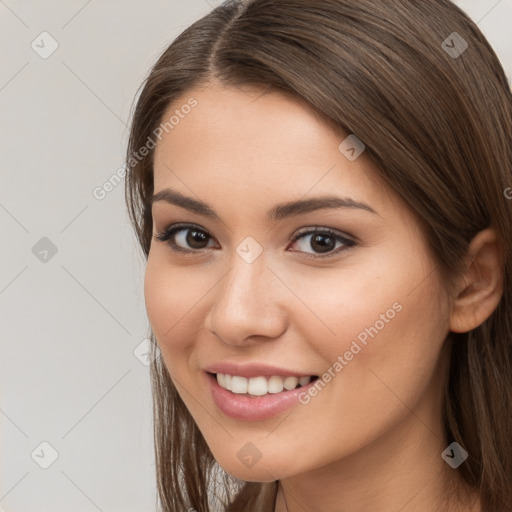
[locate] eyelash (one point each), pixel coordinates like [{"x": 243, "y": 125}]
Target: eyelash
[{"x": 170, "y": 231}]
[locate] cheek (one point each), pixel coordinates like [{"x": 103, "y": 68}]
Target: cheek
[
  {"x": 160, "y": 297},
  {"x": 171, "y": 297},
  {"x": 404, "y": 355},
  {"x": 389, "y": 338},
  {"x": 391, "y": 298},
  {"x": 390, "y": 341},
  {"x": 349, "y": 304},
  {"x": 386, "y": 328}
]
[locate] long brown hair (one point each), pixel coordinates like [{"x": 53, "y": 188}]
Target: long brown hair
[{"x": 436, "y": 118}]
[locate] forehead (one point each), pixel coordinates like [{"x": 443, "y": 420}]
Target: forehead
[
  {"x": 257, "y": 145},
  {"x": 245, "y": 120}
]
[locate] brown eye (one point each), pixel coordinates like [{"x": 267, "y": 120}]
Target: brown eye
[
  {"x": 322, "y": 242},
  {"x": 196, "y": 239},
  {"x": 185, "y": 238}
]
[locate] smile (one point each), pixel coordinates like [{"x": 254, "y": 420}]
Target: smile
[
  {"x": 260, "y": 386},
  {"x": 273, "y": 398}
]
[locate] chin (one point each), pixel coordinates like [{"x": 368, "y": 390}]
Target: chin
[{"x": 260, "y": 471}]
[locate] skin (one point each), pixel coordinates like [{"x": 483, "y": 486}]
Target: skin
[{"x": 372, "y": 438}]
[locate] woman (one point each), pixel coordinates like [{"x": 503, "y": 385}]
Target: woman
[{"x": 322, "y": 193}]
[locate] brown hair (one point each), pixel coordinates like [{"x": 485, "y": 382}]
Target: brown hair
[{"x": 439, "y": 128}]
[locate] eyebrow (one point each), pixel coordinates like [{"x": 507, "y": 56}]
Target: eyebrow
[{"x": 277, "y": 212}]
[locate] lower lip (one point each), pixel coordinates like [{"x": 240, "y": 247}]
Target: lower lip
[{"x": 256, "y": 408}]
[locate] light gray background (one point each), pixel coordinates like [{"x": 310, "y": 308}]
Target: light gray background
[{"x": 70, "y": 325}]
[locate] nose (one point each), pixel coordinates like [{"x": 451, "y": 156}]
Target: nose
[{"x": 247, "y": 304}]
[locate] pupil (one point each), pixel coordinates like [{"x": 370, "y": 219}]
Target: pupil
[
  {"x": 196, "y": 238},
  {"x": 325, "y": 243}
]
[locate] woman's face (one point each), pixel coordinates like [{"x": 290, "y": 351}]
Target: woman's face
[{"x": 343, "y": 290}]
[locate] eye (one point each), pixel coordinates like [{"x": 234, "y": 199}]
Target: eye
[
  {"x": 322, "y": 241},
  {"x": 186, "y": 238}
]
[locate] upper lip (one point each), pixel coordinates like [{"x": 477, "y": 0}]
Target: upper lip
[{"x": 253, "y": 370}]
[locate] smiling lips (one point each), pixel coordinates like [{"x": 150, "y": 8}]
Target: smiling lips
[
  {"x": 260, "y": 386},
  {"x": 256, "y": 407},
  {"x": 255, "y": 392}
]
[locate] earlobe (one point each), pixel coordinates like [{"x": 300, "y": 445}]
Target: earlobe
[{"x": 482, "y": 283}]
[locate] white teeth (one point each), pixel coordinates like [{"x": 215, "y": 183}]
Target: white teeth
[
  {"x": 275, "y": 384},
  {"x": 259, "y": 386},
  {"x": 304, "y": 380},
  {"x": 290, "y": 383},
  {"x": 238, "y": 384}
]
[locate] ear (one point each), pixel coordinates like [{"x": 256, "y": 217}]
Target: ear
[{"x": 481, "y": 285}]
